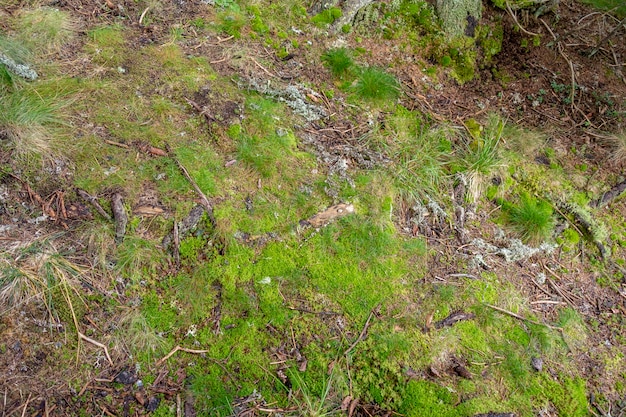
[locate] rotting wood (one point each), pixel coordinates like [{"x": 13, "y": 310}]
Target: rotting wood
[
  {"x": 615, "y": 191},
  {"x": 325, "y": 217},
  {"x": 94, "y": 202},
  {"x": 120, "y": 216},
  {"x": 454, "y": 318}
]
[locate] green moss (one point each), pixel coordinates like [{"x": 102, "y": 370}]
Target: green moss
[
  {"x": 107, "y": 45},
  {"x": 327, "y": 17},
  {"x": 427, "y": 399}
]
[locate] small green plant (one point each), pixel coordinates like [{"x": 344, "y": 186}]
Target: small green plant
[
  {"x": 338, "y": 61},
  {"x": 312, "y": 405},
  {"x": 376, "y": 85},
  {"x": 532, "y": 218}
]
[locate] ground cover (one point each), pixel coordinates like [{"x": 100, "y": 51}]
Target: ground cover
[{"x": 237, "y": 208}]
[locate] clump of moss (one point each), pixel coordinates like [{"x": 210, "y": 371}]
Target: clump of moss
[{"x": 327, "y": 17}]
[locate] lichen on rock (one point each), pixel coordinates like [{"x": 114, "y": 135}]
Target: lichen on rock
[
  {"x": 459, "y": 17},
  {"x": 20, "y": 70}
]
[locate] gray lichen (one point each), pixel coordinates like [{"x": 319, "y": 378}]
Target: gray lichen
[
  {"x": 291, "y": 95},
  {"x": 514, "y": 251},
  {"x": 20, "y": 70}
]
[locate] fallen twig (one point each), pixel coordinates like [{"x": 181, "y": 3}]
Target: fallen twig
[
  {"x": 209, "y": 119},
  {"x": 118, "y": 144},
  {"x": 96, "y": 343},
  {"x": 176, "y": 245},
  {"x": 508, "y": 9},
  {"x": 26, "y": 405},
  {"x": 364, "y": 331},
  {"x": 203, "y": 198},
  {"x": 607, "y": 37},
  {"x": 94, "y": 202},
  {"x": 263, "y": 68},
  {"x": 180, "y": 348},
  {"x": 522, "y": 318}
]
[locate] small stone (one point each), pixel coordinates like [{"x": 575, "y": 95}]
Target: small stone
[
  {"x": 153, "y": 404},
  {"x": 126, "y": 378},
  {"x": 537, "y": 364}
]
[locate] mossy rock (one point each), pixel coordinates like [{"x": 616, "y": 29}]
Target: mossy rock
[
  {"x": 522, "y": 4},
  {"x": 459, "y": 17}
]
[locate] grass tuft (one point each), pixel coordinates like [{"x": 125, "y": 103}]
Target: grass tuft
[
  {"x": 374, "y": 84},
  {"x": 481, "y": 157},
  {"x": 531, "y": 218},
  {"x": 617, "y": 145},
  {"x": 45, "y": 29},
  {"x": 27, "y": 120},
  {"x": 338, "y": 61}
]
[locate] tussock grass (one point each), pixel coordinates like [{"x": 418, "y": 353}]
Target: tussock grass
[
  {"x": 45, "y": 29},
  {"x": 29, "y": 117},
  {"x": 338, "y": 60},
  {"x": 376, "y": 85},
  {"x": 481, "y": 157},
  {"x": 617, "y": 145},
  {"x": 531, "y": 218},
  {"x": 37, "y": 274}
]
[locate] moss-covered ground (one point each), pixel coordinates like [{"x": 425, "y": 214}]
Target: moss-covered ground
[{"x": 393, "y": 228}]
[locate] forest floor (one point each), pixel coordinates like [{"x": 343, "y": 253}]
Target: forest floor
[{"x": 233, "y": 208}]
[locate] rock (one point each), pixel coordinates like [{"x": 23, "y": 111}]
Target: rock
[
  {"x": 153, "y": 404},
  {"x": 125, "y": 377},
  {"x": 459, "y": 17},
  {"x": 537, "y": 364}
]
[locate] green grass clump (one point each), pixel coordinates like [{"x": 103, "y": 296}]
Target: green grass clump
[
  {"x": 376, "y": 85},
  {"x": 45, "y": 29},
  {"x": 28, "y": 118},
  {"x": 481, "y": 156},
  {"x": 338, "y": 61},
  {"x": 531, "y": 218}
]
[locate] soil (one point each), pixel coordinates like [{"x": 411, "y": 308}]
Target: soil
[{"x": 519, "y": 77}]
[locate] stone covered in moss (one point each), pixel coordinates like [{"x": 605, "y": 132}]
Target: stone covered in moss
[{"x": 459, "y": 17}]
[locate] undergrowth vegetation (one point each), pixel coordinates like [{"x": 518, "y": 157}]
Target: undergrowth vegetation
[{"x": 318, "y": 280}]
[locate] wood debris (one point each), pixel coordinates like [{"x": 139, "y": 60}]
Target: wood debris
[{"x": 327, "y": 216}]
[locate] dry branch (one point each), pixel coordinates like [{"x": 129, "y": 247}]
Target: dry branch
[
  {"x": 96, "y": 343},
  {"x": 522, "y": 318},
  {"x": 203, "y": 198},
  {"x": 364, "y": 330},
  {"x": 180, "y": 348},
  {"x": 94, "y": 202}
]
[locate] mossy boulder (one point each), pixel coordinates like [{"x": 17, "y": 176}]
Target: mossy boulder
[
  {"x": 524, "y": 4},
  {"x": 459, "y": 17}
]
